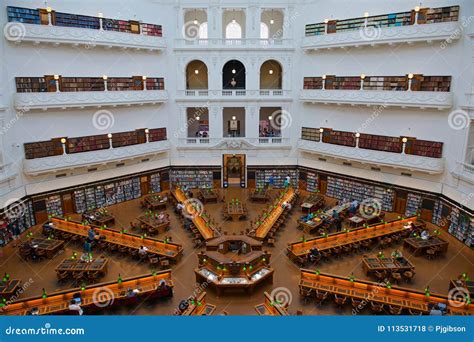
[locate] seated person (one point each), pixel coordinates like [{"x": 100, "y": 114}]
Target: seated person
[
  {"x": 130, "y": 293},
  {"x": 425, "y": 235},
  {"x": 33, "y": 312},
  {"x": 77, "y": 298},
  {"x": 142, "y": 251},
  {"x": 397, "y": 254},
  {"x": 91, "y": 234},
  {"x": 335, "y": 215},
  {"x": 435, "y": 311},
  {"x": 73, "y": 306}
]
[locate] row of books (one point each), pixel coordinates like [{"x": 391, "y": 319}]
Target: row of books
[
  {"x": 33, "y": 16},
  {"x": 413, "y": 204},
  {"x": 311, "y": 134},
  {"x": 312, "y": 182},
  {"x": 278, "y": 176},
  {"x": 155, "y": 183},
  {"x": 54, "y": 205},
  {"x": 339, "y": 138},
  {"x": 192, "y": 179},
  {"x": 424, "y": 148},
  {"x": 425, "y": 16},
  {"x": 380, "y": 143}
]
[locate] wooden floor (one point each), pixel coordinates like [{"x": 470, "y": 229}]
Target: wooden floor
[{"x": 435, "y": 273}]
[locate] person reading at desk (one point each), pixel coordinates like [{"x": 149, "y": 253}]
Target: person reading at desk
[
  {"x": 33, "y": 312},
  {"x": 87, "y": 247},
  {"x": 397, "y": 254},
  {"x": 314, "y": 254},
  {"x": 335, "y": 215},
  {"x": 91, "y": 234},
  {"x": 425, "y": 235},
  {"x": 142, "y": 251},
  {"x": 73, "y": 306}
]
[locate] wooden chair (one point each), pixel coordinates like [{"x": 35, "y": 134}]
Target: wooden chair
[
  {"x": 306, "y": 294},
  {"x": 431, "y": 253},
  {"x": 408, "y": 276},
  {"x": 380, "y": 275},
  {"x": 326, "y": 254},
  {"x": 340, "y": 300},
  {"x": 25, "y": 253},
  {"x": 93, "y": 276},
  {"x": 62, "y": 276},
  {"x": 271, "y": 242},
  {"x": 395, "y": 310},
  {"x": 154, "y": 260},
  {"x": 365, "y": 244},
  {"x": 321, "y": 296},
  {"x": 123, "y": 249},
  {"x": 301, "y": 261},
  {"x": 40, "y": 254},
  {"x": 414, "y": 312},
  {"x": 78, "y": 276},
  {"x": 356, "y": 302},
  {"x": 396, "y": 277},
  {"x": 164, "y": 263},
  {"x": 376, "y": 307}
]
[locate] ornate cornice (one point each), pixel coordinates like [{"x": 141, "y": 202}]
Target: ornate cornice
[
  {"x": 235, "y": 144},
  {"x": 419, "y": 99},
  {"x": 82, "y": 36},
  {"x": 88, "y": 99},
  {"x": 391, "y": 35},
  {"x": 379, "y": 158},
  {"x": 87, "y": 159}
]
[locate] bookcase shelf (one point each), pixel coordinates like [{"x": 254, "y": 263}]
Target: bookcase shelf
[
  {"x": 70, "y": 84},
  {"x": 413, "y": 204},
  {"x": 311, "y": 134},
  {"x": 262, "y": 177},
  {"x": 157, "y": 134},
  {"x": 193, "y": 179},
  {"x": 155, "y": 183},
  {"x": 339, "y": 138},
  {"x": 42, "y": 149},
  {"x": 89, "y": 143},
  {"x": 54, "y": 205},
  {"x": 380, "y": 143},
  {"x": 12, "y": 225}
]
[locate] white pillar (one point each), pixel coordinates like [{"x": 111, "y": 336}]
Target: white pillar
[
  {"x": 215, "y": 121},
  {"x": 214, "y": 22},
  {"x": 252, "y": 114}
]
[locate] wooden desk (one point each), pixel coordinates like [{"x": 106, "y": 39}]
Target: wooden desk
[
  {"x": 259, "y": 195},
  {"x": 99, "y": 217},
  {"x": 310, "y": 226},
  {"x": 301, "y": 248},
  {"x": 76, "y": 265},
  {"x": 267, "y": 224},
  {"x": 171, "y": 251},
  {"x": 49, "y": 246},
  {"x": 155, "y": 201},
  {"x": 93, "y": 296},
  {"x": 371, "y": 291},
  {"x": 312, "y": 203},
  {"x": 357, "y": 221},
  {"x": 208, "y": 196},
  {"x": 199, "y": 307},
  {"x": 270, "y": 308},
  {"x": 9, "y": 288},
  {"x": 235, "y": 210},
  {"x": 372, "y": 264},
  {"x": 419, "y": 246},
  {"x": 154, "y": 224},
  {"x": 206, "y": 231}
]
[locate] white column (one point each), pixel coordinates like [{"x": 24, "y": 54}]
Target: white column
[
  {"x": 215, "y": 121},
  {"x": 252, "y": 22},
  {"x": 287, "y": 121},
  {"x": 214, "y": 22},
  {"x": 251, "y": 121},
  {"x": 214, "y": 70}
]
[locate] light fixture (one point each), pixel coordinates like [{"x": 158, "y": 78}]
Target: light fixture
[
  {"x": 324, "y": 77},
  {"x": 362, "y": 76},
  {"x": 270, "y": 71},
  {"x": 196, "y": 71},
  {"x": 198, "y": 118},
  {"x": 270, "y": 118},
  {"x": 109, "y": 135},
  {"x": 104, "y": 77},
  {"x": 49, "y": 9},
  {"x": 63, "y": 140},
  {"x": 195, "y": 22},
  {"x": 410, "y": 76},
  {"x": 233, "y": 21},
  {"x": 234, "y": 71},
  {"x": 144, "y": 78},
  {"x": 321, "y": 130},
  {"x": 404, "y": 140},
  {"x": 326, "y": 21},
  {"x": 56, "y": 77},
  {"x": 272, "y": 21},
  {"x": 366, "y": 14},
  {"x": 100, "y": 15},
  {"x": 147, "y": 130},
  {"x": 234, "y": 118},
  {"x": 417, "y": 8},
  {"x": 357, "y": 135}
]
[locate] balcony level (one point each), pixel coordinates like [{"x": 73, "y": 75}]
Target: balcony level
[
  {"x": 420, "y": 25},
  {"x": 464, "y": 172},
  {"x": 61, "y": 154},
  {"x": 234, "y": 44},
  {"x": 408, "y": 91},
  {"x": 234, "y": 95},
  {"x": 46, "y": 26},
  {"x": 55, "y": 91},
  {"x": 403, "y": 153},
  {"x": 240, "y": 143}
]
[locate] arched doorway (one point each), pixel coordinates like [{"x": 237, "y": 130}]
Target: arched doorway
[
  {"x": 233, "y": 75},
  {"x": 271, "y": 75},
  {"x": 196, "y": 75}
]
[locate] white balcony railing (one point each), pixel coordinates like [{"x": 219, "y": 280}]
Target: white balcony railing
[
  {"x": 82, "y": 99},
  {"x": 88, "y": 159},
  {"x": 234, "y": 44},
  {"x": 234, "y": 94},
  {"x": 88, "y": 38},
  {"x": 372, "y": 157},
  {"x": 389, "y": 98},
  {"x": 234, "y": 143},
  {"x": 372, "y": 36},
  {"x": 464, "y": 172}
]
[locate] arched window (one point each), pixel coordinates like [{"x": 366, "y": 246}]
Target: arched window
[
  {"x": 264, "y": 31},
  {"x": 233, "y": 31},
  {"x": 203, "y": 31}
]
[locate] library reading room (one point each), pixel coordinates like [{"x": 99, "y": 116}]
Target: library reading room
[{"x": 237, "y": 158}]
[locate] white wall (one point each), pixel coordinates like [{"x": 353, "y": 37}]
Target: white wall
[{"x": 455, "y": 60}]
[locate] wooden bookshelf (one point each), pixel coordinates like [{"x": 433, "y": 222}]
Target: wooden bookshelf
[
  {"x": 425, "y": 16},
  {"x": 424, "y": 148},
  {"x": 30, "y": 84},
  {"x": 347, "y": 83},
  {"x": 152, "y": 30},
  {"x": 380, "y": 143},
  {"x": 155, "y": 83},
  {"x": 339, "y": 137},
  {"x": 157, "y": 134},
  {"x": 386, "y": 83},
  {"x": 313, "y": 83},
  {"x": 311, "y": 134},
  {"x": 89, "y": 143},
  {"x": 124, "y": 139},
  {"x": 23, "y": 15},
  {"x": 72, "y": 84},
  {"x": 76, "y": 20},
  {"x": 42, "y": 149}
]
